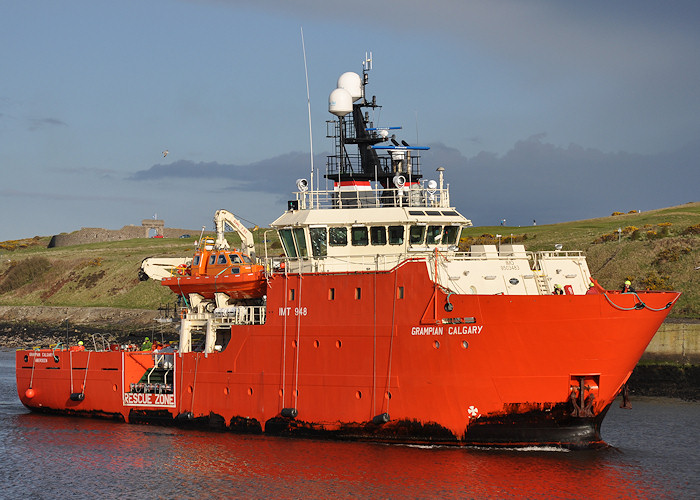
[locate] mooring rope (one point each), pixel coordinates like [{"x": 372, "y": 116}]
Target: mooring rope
[
  {"x": 86, "y": 372},
  {"x": 638, "y": 306}
]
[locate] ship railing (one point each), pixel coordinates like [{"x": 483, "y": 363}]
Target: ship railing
[
  {"x": 366, "y": 262},
  {"x": 100, "y": 342},
  {"x": 231, "y": 315},
  {"x": 240, "y": 315},
  {"x": 416, "y": 196},
  {"x": 337, "y": 264}
]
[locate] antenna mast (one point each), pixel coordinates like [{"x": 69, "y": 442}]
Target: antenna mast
[{"x": 308, "y": 104}]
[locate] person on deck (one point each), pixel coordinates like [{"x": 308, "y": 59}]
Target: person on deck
[
  {"x": 627, "y": 287},
  {"x": 147, "y": 345},
  {"x": 592, "y": 290},
  {"x": 558, "y": 290}
]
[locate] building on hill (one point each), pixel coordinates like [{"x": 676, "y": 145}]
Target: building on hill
[{"x": 148, "y": 228}]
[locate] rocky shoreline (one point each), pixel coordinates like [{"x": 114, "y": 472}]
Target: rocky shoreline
[{"x": 41, "y": 326}]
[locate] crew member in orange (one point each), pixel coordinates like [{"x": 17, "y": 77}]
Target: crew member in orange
[
  {"x": 558, "y": 290},
  {"x": 627, "y": 288}
]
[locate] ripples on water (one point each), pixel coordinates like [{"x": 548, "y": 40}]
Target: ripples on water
[{"x": 655, "y": 453}]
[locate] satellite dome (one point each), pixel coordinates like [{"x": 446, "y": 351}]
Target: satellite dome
[
  {"x": 340, "y": 102},
  {"x": 352, "y": 83}
]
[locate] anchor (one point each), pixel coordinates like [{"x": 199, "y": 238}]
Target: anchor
[{"x": 583, "y": 406}]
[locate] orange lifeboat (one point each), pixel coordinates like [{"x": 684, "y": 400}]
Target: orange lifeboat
[{"x": 219, "y": 271}]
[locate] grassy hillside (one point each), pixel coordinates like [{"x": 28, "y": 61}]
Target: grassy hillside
[{"x": 659, "y": 249}]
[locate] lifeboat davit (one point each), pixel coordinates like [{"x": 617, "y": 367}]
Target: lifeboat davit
[{"x": 219, "y": 271}]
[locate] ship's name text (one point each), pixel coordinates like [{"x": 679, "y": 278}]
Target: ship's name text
[{"x": 451, "y": 330}]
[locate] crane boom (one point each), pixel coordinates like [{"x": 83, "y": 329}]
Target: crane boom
[{"x": 224, "y": 217}]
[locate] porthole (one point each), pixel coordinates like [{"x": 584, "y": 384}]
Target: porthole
[
  {"x": 436, "y": 344},
  {"x": 338, "y": 343},
  {"x": 250, "y": 391},
  {"x": 358, "y": 395},
  {"x": 316, "y": 343},
  {"x": 465, "y": 344},
  {"x": 513, "y": 281},
  {"x": 226, "y": 391},
  {"x": 387, "y": 395}
]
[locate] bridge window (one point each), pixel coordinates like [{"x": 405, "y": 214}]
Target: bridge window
[
  {"x": 235, "y": 258},
  {"x": 434, "y": 235},
  {"x": 377, "y": 235},
  {"x": 449, "y": 235},
  {"x": 195, "y": 261},
  {"x": 222, "y": 258},
  {"x": 395, "y": 235},
  {"x": 212, "y": 259},
  {"x": 416, "y": 235},
  {"x": 294, "y": 242},
  {"x": 318, "y": 241},
  {"x": 288, "y": 242},
  {"x": 246, "y": 259},
  {"x": 359, "y": 236},
  {"x": 300, "y": 238},
  {"x": 338, "y": 236}
]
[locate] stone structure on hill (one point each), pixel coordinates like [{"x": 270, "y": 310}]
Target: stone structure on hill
[{"x": 148, "y": 228}]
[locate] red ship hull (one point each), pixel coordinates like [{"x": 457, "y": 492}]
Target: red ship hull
[{"x": 379, "y": 358}]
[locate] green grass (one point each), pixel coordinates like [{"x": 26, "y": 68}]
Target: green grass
[{"x": 106, "y": 274}]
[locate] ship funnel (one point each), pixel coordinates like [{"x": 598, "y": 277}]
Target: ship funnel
[
  {"x": 340, "y": 102},
  {"x": 352, "y": 83},
  {"x": 302, "y": 185}
]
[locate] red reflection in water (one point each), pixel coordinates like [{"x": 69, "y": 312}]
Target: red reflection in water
[{"x": 135, "y": 459}]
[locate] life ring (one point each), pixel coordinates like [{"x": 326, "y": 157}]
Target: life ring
[{"x": 182, "y": 270}]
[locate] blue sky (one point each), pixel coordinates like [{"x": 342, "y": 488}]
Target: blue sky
[{"x": 539, "y": 110}]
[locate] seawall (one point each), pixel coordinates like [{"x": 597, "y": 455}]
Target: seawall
[{"x": 675, "y": 342}]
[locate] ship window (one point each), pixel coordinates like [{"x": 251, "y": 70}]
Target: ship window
[
  {"x": 300, "y": 238},
  {"x": 338, "y": 236},
  {"x": 291, "y": 294},
  {"x": 416, "y": 235},
  {"x": 434, "y": 235},
  {"x": 395, "y": 235},
  {"x": 195, "y": 261},
  {"x": 358, "y": 293},
  {"x": 222, "y": 258},
  {"x": 449, "y": 235},
  {"x": 288, "y": 242},
  {"x": 246, "y": 259},
  {"x": 451, "y": 212},
  {"x": 359, "y": 236},
  {"x": 318, "y": 241},
  {"x": 432, "y": 212},
  {"x": 212, "y": 259},
  {"x": 399, "y": 292},
  {"x": 416, "y": 212},
  {"x": 378, "y": 235},
  {"x": 331, "y": 294},
  {"x": 235, "y": 270}
]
